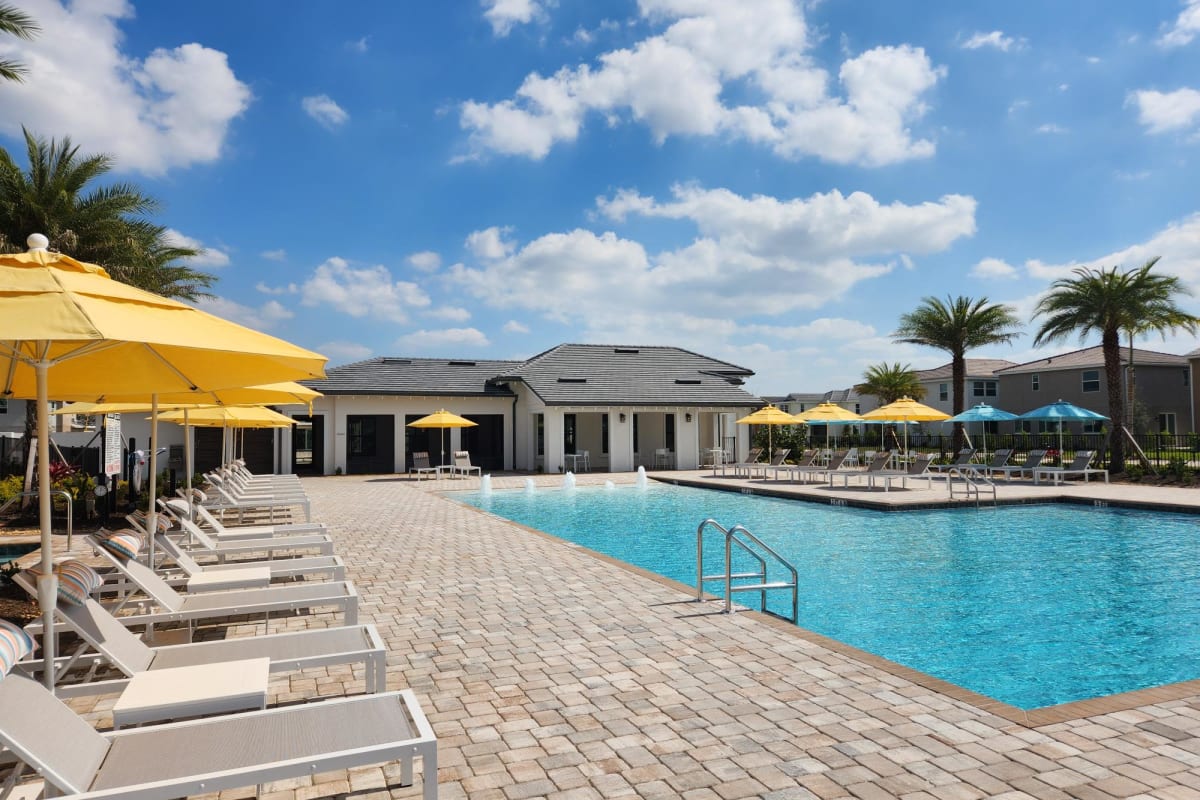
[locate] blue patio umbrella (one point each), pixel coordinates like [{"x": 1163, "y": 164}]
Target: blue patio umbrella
[
  {"x": 1062, "y": 410},
  {"x": 983, "y": 413}
]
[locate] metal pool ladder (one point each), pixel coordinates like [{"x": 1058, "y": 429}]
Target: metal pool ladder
[
  {"x": 974, "y": 482},
  {"x": 756, "y": 549}
]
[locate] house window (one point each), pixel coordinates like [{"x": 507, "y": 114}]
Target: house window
[
  {"x": 858, "y": 409},
  {"x": 1093, "y": 426},
  {"x": 361, "y": 439},
  {"x": 1037, "y": 381},
  {"x": 1046, "y": 426},
  {"x": 943, "y": 392},
  {"x": 604, "y": 434},
  {"x": 541, "y": 434},
  {"x": 1022, "y": 426},
  {"x": 569, "y": 433},
  {"x": 1166, "y": 423},
  {"x": 1091, "y": 380},
  {"x": 991, "y": 427},
  {"x": 670, "y": 433},
  {"x": 3, "y": 406},
  {"x": 983, "y": 388}
]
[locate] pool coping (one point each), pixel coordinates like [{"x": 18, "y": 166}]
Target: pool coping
[{"x": 1029, "y": 718}]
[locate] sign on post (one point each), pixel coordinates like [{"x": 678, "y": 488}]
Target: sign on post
[{"x": 112, "y": 444}]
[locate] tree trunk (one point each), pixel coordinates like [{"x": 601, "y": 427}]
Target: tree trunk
[
  {"x": 1111, "y": 345},
  {"x": 958, "y": 375}
]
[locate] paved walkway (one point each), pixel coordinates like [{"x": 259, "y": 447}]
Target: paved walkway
[{"x": 548, "y": 672}]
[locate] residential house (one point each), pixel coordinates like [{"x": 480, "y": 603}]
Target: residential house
[{"x": 980, "y": 384}]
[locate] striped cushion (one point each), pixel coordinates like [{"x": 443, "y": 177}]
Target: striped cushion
[
  {"x": 15, "y": 644},
  {"x": 124, "y": 544},
  {"x": 76, "y": 582}
]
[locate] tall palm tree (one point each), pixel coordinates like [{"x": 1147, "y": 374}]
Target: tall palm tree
[
  {"x": 889, "y": 383},
  {"x": 15, "y": 23},
  {"x": 106, "y": 225},
  {"x": 1108, "y": 301},
  {"x": 956, "y": 326}
]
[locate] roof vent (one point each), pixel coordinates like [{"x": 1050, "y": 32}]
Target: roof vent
[
  {"x": 462, "y": 363},
  {"x": 688, "y": 381},
  {"x": 572, "y": 380},
  {"x": 387, "y": 360},
  {"x": 626, "y": 350}
]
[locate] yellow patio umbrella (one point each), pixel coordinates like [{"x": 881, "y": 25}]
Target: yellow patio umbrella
[
  {"x": 229, "y": 416},
  {"x": 770, "y": 416},
  {"x": 906, "y": 410},
  {"x": 67, "y": 328},
  {"x": 442, "y": 419},
  {"x": 828, "y": 414}
]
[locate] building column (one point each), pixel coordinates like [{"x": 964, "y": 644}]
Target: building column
[
  {"x": 552, "y": 432},
  {"x": 687, "y": 439}
]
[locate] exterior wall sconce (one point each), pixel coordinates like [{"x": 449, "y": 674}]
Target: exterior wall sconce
[
  {"x": 687, "y": 417},
  {"x": 621, "y": 416}
]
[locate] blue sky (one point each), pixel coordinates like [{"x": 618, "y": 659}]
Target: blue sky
[{"x": 769, "y": 182}]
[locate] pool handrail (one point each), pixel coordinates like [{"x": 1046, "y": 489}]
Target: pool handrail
[{"x": 734, "y": 535}]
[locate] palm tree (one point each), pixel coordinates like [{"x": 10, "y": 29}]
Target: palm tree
[
  {"x": 15, "y": 23},
  {"x": 105, "y": 226},
  {"x": 1109, "y": 302},
  {"x": 956, "y": 326},
  {"x": 888, "y": 383}
]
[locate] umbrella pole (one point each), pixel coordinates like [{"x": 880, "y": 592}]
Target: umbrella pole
[
  {"x": 47, "y": 580},
  {"x": 151, "y": 514},
  {"x": 187, "y": 463}
]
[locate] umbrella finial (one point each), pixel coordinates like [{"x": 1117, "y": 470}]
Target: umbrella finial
[{"x": 37, "y": 242}]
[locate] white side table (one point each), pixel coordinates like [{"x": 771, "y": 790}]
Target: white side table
[{"x": 187, "y": 691}]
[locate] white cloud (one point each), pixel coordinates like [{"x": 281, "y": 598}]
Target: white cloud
[
  {"x": 324, "y": 110},
  {"x": 1051, "y": 128},
  {"x": 171, "y": 109},
  {"x": 1186, "y": 26},
  {"x": 262, "y": 318},
  {"x": 274, "y": 255},
  {"x": 1161, "y": 112},
  {"x": 290, "y": 288},
  {"x": 994, "y": 39},
  {"x": 504, "y": 15},
  {"x": 426, "y": 261},
  {"x": 213, "y": 257},
  {"x": 424, "y": 340},
  {"x": 993, "y": 268},
  {"x": 489, "y": 243},
  {"x": 368, "y": 292},
  {"x": 343, "y": 352},
  {"x": 449, "y": 313},
  {"x": 359, "y": 45},
  {"x": 676, "y": 84},
  {"x": 512, "y": 326}
]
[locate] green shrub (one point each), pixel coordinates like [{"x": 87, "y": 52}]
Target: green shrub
[
  {"x": 1180, "y": 469},
  {"x": 10, "y": 487}
]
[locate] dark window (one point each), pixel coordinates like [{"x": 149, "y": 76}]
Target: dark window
[
  {"x": 1037, "y": 382},
  {"x": 1093, "y": 426},
  {"x": 1166, "y": 423},
  {"x": 635, "y": 434},
  {"x": 361, "y": 437},
  {"x": 604, "y": 433},
  {"x": 943, "y": 392},
  {"x": 569, "y": 433},
  {"x": 1091, "y": 380},
  {"x": 858, "y": 408},
  {"x": 671, "y": 432},
  {"x": 541, "y": 434},
  {"x": 984, "y": 388},
  {"x": 3, "y": 406}
]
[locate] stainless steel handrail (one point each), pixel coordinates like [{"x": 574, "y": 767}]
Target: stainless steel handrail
[
  {"x": 70, "y": 508},
  {"x": 734, "y": 536},
  {"x": 972, "y": 478}
]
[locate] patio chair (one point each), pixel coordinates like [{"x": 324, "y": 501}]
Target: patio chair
[
  {"x": 752, "y": 458},
  {"x": 999, "y": 461},
  {"x": 1032, "y": 461},
  {"x": 1081, "y": 466},
  {"x": 288, "y": 651},
  {"x": 213, "y": 754},
  {"x": 807, "y": 459},
  {"x": 204, "y": 518},
  {"x": 664, "y": 458},
  {"x": 960, "y": 461},
  {"x": 175, "y": 607},
  {"x": 421, "y": 465},
  {"x": 241, "y": 547},
  {"x": 246, "y": 574},
  {"x": 462, "y": 464},
  {"x": 242, "y": 503},
  {"x": 877, "y": 464},
  {"x": 775, "y": 462},
  {"x": 836, "y": 462},
  {"x": 918, "y": 468}
]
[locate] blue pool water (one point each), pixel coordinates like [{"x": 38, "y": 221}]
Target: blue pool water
[
  {"x": 1030, "y": 605},
  {"x": 11, "y": 552}
]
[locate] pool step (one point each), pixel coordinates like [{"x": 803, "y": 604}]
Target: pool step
[{"x": 758, "y": 587}]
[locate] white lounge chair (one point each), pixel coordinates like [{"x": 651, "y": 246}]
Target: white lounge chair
[
  {"x": 919, "y": 468},
  {"x": 462, "y": 464},
  {"x": 752, "y": 458},
  {"x": 775, "y": 462},
  {"x": 807, "y": 460},
  {"x": 960, "y": 461},
  {"x": 263, "y": 544},
  {"x": 246, "y": 574},
  {"x": 291, "y": 650},
  {"x": 1081, "y": 466},
  {"x": 174, "y": 606},
  {"x": 836, "y": 460},
  {"x": 1032, "y": 461},
  {"x": 213, "y": 754},
  {"x": 178, "y": 507},
  {"x": 227, "y": 500},
  {"x": 877, "y": 464},
  {"x": 421, "y": 465}
]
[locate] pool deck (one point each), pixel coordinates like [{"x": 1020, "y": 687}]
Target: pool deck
[{"x": 547, "y": 671}]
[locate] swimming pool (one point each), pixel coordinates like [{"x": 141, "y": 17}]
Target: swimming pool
[
  {"x": 11, "y": 552},
  {"x": 1031, "y": 605}
]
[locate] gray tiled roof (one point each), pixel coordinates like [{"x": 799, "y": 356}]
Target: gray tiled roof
[
  {"x": 1094, "y": 357},
  {"x": 416, "y": 376},
  {"x": 589, "y": 374},
  {"x": 976, "y": 367}
]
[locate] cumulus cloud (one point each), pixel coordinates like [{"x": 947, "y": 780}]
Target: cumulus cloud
[
  {"x": 263, "y": 318},
  {"x": 171, "y": 109},
  {"x": 449, "y": 313},
  {"x": 274, "y": 255},
  {"x": 512, "y": 326},
  {"x": 213, "y": 257},
  {"x": 368, "y": 292},
  {"x": 344, "y": 352},
  {"x": 360, "y": 45},
  {"x": 290, "y": 288},
  {"x": 324, "y": 110},
  {"x": 426, "y": 261},
  {"x": 1051, "y": 128},
  {"x": 504, "y": 15},
  {"x": 425, "y": 340},
  {"x": 1162, "y": 112},
  {"x": 676, "y": 84},
  {"x": 992, "y": 268},
  {"x": 993, "y": 39},
  {"x": 490, "y": 243},
  {"x": 1185, "y": 27}
]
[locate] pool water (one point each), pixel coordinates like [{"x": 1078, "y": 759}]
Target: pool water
[
  {"x": 11, "y": 552},
  {"x": 1030, "y": 605}
]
